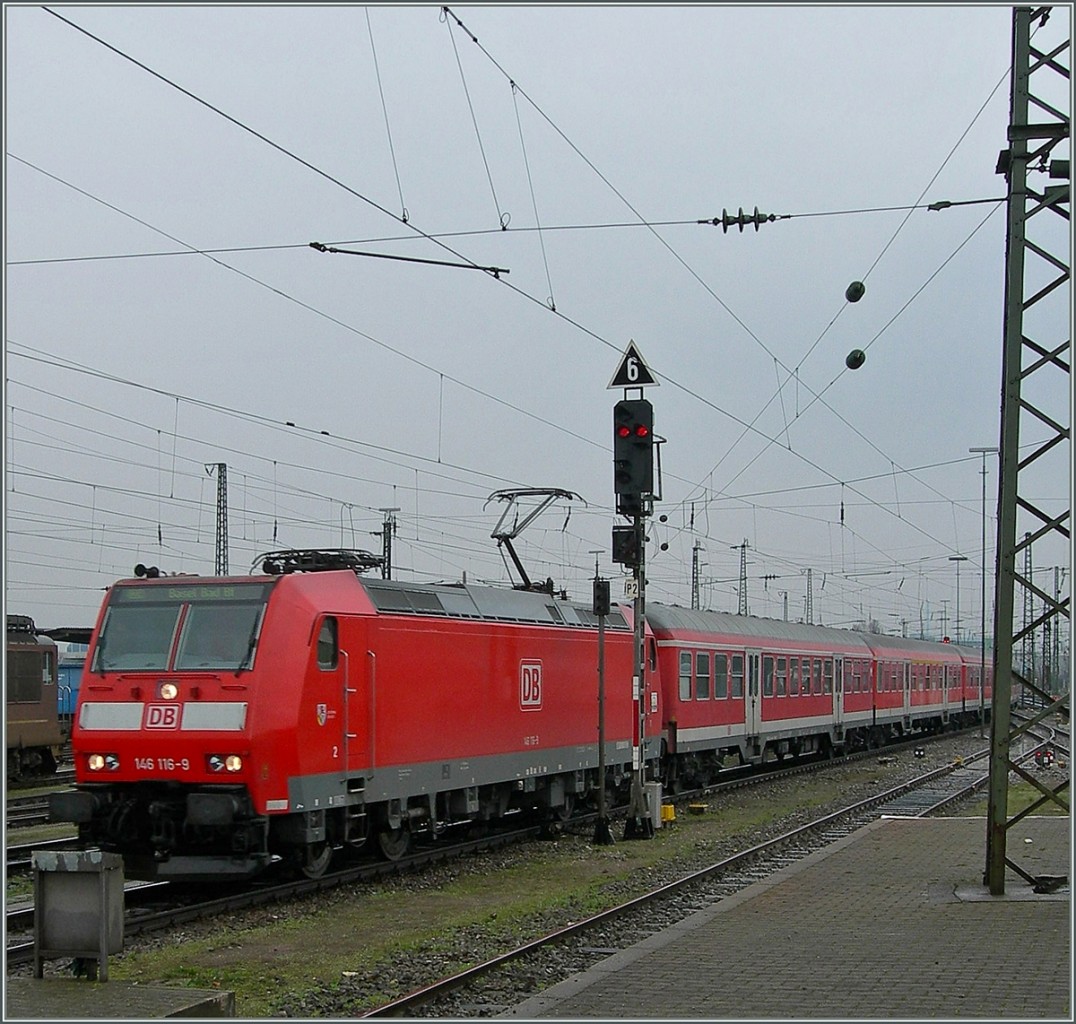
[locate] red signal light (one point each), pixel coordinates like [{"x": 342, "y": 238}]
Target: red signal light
[
  {"x": 641, "y": 430},
  {"x": 623, "y": 431}
]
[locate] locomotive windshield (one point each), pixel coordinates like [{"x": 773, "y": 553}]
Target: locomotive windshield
[{"x": 181, "y": 627}]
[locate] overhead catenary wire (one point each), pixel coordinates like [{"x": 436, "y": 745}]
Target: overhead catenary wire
[
  {"x": 385, "y": 110},
  {"x": 817, "y": 396},
  {"x": 377, "y": 240}
]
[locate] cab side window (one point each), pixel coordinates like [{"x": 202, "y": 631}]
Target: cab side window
[{"x": 328, "y": 644}]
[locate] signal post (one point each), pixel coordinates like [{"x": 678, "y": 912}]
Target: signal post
[{"x": 633, "y": 484}]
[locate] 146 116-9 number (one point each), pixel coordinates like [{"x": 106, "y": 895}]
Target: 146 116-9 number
[{"x": 164, "y": 764}]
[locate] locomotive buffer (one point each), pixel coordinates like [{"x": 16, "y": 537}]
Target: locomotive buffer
[{"x": 633, "y": 484}]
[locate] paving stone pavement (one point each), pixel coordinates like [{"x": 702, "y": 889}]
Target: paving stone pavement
[{"x": 892, "y": 922}]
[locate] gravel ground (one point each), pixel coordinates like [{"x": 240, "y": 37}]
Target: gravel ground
[{"x": 420, "y": 961}]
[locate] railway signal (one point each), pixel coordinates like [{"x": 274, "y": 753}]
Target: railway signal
[
  {"x": 633, "y": 454},
  {"x": 633, "y": 484},
  {"x": 625, "y": 548}
]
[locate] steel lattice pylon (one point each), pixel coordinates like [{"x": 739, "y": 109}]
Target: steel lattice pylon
[
  {"x": 1037, "y": 287},
  {"x": 221, "y": 564}
]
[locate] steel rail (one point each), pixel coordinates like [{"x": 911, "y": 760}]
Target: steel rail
[{"x": 400, "y": 1006}]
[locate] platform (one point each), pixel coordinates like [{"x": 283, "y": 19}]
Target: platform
[
  {"x": 55, "y": 999},
  {"x": 891, "y": 922}
]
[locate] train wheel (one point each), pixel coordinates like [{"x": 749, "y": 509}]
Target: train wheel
[
  {"x": 316, "y": 859},
  {"x": 566, "y": 809},
  {"x": 393, "y": 843}
]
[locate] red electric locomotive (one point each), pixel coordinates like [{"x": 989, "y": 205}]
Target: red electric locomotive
[{"x": 225, "y": 723}]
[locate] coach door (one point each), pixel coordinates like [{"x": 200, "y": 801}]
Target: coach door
[
  {"x": 947, "y": 683},
  {"x": 752, "y": 698},
  {"x": 838, "y": 696}
]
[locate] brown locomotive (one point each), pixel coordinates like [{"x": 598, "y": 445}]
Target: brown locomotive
[{"x": 34, "y": 733}]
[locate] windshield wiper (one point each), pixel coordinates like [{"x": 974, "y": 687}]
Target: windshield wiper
[{"x": 245, "y": 663}]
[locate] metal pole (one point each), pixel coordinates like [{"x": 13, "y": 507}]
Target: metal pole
[
  {"x": 388, "y": 528},
  {"x": 639, "y": 824},
  {"x": 982, "y": 621},
  {"x": 602, "y": 835},
  {"x": 1011, "y": 375},
  {"x": 956, "y": 624}
]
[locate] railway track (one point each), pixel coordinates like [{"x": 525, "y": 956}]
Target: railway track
[
  {"x": 164, "y": 905},
  {"x": 491, "y": 987},
  {"x": 33, "y": 810},
  {"x": 157, "y": 906},
  {"x": 62, "y": 776}
]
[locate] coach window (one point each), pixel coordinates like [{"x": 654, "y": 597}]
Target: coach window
[
  {"x": 328, "y": 648},
  {"x": 685, "y": 675},
  {"x": 782, "y": 672},
  {"x": 827, "y": 676},
  {"x": 848, "y": 677},
  {"x": 721, "y": 676},
  {"x": 817, "y": 687},
  {"x": 767, "y": 675},
  {"x": 702, "y": 675},
  {"x": 793, "y": 677},
  {"x": 737, "y": 675}
]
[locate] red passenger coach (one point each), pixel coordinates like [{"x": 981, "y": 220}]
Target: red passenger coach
[
  {"x": 225, "y": 723},
  {"x": 927, "y": 677},
  {"x": 750, "y": 688},
  {"x": 753, "y": 689}
]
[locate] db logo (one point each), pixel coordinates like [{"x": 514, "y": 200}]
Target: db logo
[
  {"x": 530, "y": 685},
  {"x": 162, "y": 716}
]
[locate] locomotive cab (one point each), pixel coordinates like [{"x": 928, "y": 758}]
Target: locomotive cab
[{"x": 161, "y": 737}]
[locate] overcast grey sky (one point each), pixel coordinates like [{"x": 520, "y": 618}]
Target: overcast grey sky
[{"x": 164, "y": 311}]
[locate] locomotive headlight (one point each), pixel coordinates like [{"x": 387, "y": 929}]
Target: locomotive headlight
[
  {"x": 169, "y": 691},
  {"x": 225, "y": 763},
  {"x": 233, "y": 763},
  {"x": 216, "y": 763},
  {"x": 100, "y": 762}
]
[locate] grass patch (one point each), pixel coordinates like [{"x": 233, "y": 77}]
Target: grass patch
[
  {"x": 1021, "y": 796},
  {"x": 273, "y": 958}
]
